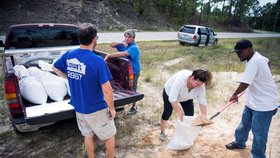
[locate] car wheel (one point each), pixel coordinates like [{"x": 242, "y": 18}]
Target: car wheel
[
  {"x": 215, "y": 42},
  {"x": 196, "y": 45},
  {"x": 182, "y": 43}
]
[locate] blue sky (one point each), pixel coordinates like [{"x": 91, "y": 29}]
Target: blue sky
[{"x": 263, "y": 2}]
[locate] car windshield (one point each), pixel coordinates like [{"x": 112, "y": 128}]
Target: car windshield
[
  {"x": 188, "y": 29},
  {"x": 43, "y": 37}
]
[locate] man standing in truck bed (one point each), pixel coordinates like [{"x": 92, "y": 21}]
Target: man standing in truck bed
[
  {"x": 129, "y": 49},
  {"x": 88, "y": 78}
]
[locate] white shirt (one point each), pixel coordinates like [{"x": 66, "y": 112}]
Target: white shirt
[
  {"x": 177, "y": 91},
  {"x": 262, "y": 92}
]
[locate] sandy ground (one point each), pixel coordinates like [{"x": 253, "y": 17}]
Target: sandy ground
[{"x": 138, "y": 135}]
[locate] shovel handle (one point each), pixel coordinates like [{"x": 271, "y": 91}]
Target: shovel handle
[
  {"x": 231, "y": 102},
  {"x": 216, "y": 114},
  {"x": 227, "y": 105}
]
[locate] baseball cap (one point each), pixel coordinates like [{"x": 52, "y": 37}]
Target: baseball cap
[{"x": 242, "y": 44}]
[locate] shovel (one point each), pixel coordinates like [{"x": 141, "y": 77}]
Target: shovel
[{"x": 201, "y": 120}]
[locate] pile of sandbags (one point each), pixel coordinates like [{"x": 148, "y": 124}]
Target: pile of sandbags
[
  {"x": 30, "y": 89},
  {"x": 55, "y": 86},
  {"x": 37, "y": 85},
  {"x": 48, "y": 67}
]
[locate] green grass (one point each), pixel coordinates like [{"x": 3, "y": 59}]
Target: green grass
[
  {"x": 148, "y": 75},
  {"x": 214, "y": 58}
]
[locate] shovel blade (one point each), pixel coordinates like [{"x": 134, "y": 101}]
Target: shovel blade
[{"x": 201, "y": 120}]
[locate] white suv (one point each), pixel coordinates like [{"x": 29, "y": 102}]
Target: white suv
[{"x": 197, "y": 35}]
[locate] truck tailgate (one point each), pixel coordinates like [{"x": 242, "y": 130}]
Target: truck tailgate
[
  {"x": 123, "y": 97},
  {"x": 57, "y": 111}
]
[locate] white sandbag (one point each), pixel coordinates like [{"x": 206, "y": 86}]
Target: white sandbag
[
  {"x": 21, "y": 71},
  {"x": 45, "y": 66},
  {"x": 54, "y": 85},
  {"x": 185, "y": 134},
  {"x": 35, "y": 72},
  {"x": 32, "y": 90}
]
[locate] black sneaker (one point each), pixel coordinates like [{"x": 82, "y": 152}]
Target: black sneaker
[
  {"x": 132, "y": 111},
  {"x": 232, "y": 145}
]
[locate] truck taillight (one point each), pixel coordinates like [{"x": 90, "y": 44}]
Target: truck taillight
[
  {"x": 130, "y": 76},
  {"x": 13, "y": 105},
  {"x": 45, "y": 25},
  {"x": 194, "y": 37},
  {"x": 10, "y": 89},
  {"x": 11, "y": 97},
  {"x": 10, "y": 85}
]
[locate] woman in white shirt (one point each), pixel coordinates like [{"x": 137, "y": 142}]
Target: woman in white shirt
[{"x": 182, "y": 88}]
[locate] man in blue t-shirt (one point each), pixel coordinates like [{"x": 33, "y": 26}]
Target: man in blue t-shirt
[
  {"x": 130, "y": 50},
  {"x": 91, "y": 92}
]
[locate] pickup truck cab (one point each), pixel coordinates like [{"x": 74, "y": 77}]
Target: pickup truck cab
[{"x": 27, "y": 44}]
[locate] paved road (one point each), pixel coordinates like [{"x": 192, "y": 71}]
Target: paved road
[{"x": 154, "y": 36}]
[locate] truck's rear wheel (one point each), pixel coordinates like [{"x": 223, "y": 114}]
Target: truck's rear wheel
[{"x": 16, "y": 130}]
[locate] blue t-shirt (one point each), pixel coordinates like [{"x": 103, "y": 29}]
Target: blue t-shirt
[
  {"x": 134, "y": 55},
  {"x": 86, "y": 73}
]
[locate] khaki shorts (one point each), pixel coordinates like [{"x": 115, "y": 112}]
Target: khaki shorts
[{"x": 98, "y": 123}]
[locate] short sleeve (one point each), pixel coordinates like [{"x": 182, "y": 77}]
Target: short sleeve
[
  {"x": 120, "y": 47},
  {"x": 201, "y": 96},
  {"x": 250, "y": 72},
  {"x": 61, "y": 63},
  {"x": 133, "y": 51}
]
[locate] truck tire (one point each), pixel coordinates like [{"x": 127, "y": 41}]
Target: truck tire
[
  {"x": 16, "y": 130},
  {"x": 215, "y": 42}
]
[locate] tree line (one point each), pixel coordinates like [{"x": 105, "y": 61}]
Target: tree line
[{"x": 227, "y": 12}]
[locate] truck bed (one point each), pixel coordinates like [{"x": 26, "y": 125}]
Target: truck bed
[{"x": 56, "y": 111}]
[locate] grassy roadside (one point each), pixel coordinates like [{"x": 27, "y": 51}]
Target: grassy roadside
[{"x": 214, "y": 58}]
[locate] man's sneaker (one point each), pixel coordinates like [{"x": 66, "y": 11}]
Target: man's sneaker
[
  {"x": 162, "y": 136},
  {"x": 232, "y": 145},
  {"x": 132, "y": 111}
]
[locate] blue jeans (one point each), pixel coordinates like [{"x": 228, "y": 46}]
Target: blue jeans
[
  {"x": 134, "y": 87},
  {"x": 259, "y": 122}
]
